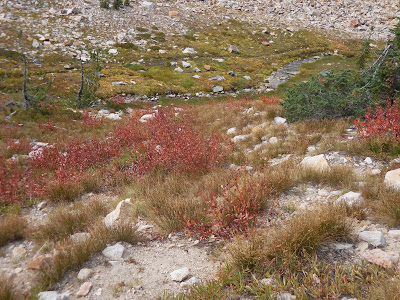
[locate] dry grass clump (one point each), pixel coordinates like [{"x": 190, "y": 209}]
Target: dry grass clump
[
  {"x": 384, "y": 202},
  {"x": 339, "y": 175},
  {"x": 296, "y": 237},
  {"x": 388, "y": 289},
  {"x": 12, "y": 227},
  {"x": 327, "y": 127},
  {"x": 72, "y": 255},
  {"x": 67, "y": 220},
  {"x": 7, "y": 289}
]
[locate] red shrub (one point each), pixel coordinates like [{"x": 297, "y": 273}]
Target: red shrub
[
  {"x": 91, "y": 121},
  {"x": 118, "y": 99},
  {"x": 173, "y": 144},
  {"x": 235, "y": 211},
  {"x": 16, "y": 183},
  {"x": 385, "y": 123},
  {"x": 48, "y": 126},
  {"x": 21, "y": 146},
  {"x": 270, "y": 99}
]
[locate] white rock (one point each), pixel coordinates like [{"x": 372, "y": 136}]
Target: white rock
[
  {"x": 103, "y": 112},
  {"x": 273, "y": 140},
  {"x": 190, "y": 282},
  {"x": 186, "y": 64},
  {"x": 196, "y": 76},
  {"x": 375, "y": 171},
  {"x": 180, "y": 274},
  {"x": 113, "y": 51},
  {"x": 114, "y": 252},
  {"x": 394, "y": 234},
  {"x": 146, "y": 117},
  {"x": 35, "y": 44},
  {"x": 178, "y": 69},
  {"x": 279, "y": 120},
  {"x": 80, "y": 237},
  {"x": 122, "y": 211},
  {"x": 148, "y": 5},
  {"x": 375, "y": 238},
  {"x": 189, "y": 51},
  {"x": 285, "y": 296},
  {"x": 350, "y": 199},
  {"x": 317, "y": 163},
  {"x": 267, "y": 281},
  {"x": 392, "y": 179},
  {"x": 52, "y": 295},
  {"x": 368, "y": 160},
  {"x": 343, "y": 246},
  {"x": 114, "y": 117},
  {"x": 231, "y": 130},
  {"x": 242, "y": 137},
  {"x": 98, "y": 292},
  {"x": 161, "y": 51},
  {"x": 247, "y": 77},
  {"x": 84, "y": 274}
]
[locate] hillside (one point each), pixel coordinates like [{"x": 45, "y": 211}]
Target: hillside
[{"x": 199, "y": 149}]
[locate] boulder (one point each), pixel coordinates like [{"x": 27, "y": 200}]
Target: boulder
[
  {"x": 122, "y": 211},
  {"x": 218, "y": 89},
  {"x": 378, "y": 257},
  {"x": 392, "y": 179},
  {"x": 180, "y": 274},
  {"x": 84, "y": 274},
  {"x": 350, "y": 199},
  {"x": 233, "y": 49},
  {"x": 52, "y": 295},
  {"x": 231, "y": 130},
  {"x": 84, "y": 289},
  {"x": 217, "y": 77},
  {"x": 186, "y": 64},
  {"x": 317, "y": 163},
  {"x": 190, "y": 282},
  {"x": 208, "y": 68},
  {"x": 375, "y": 238},
  {"x": 189, "y": 51},
  {"x": 279, "y": 120},
  {"x": 114, "y": 252}
]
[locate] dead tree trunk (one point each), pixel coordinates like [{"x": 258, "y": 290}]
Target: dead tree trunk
[
  {"x": 80, "y": 92},
  {"x": 28, "y": 100}
]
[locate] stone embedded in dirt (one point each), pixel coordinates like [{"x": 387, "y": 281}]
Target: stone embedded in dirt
[
  {"x": 113, "y": 51},
  {"x": 394, "y": 234},
  {"x": 114, "y": 117},
  {"x": 273, "y": 140},
  {"x": 375, "y": 238},
  {"x": 350, "y": 199},
  {"x": 98, "y": 292},
  {"x": 178, "y": 69},
  {"x": 84, "y": 274},
  {"x": 80, "y": 237},
  {"x": 84, "y": 289},
  {"x": 208, "y": 68},
  {"x": 173, "y": 13},
  {"x": 189, "y": 51},
  {"x": 241, "y": 137},
  {"x": 38, "y": 262},
  {"x": 232, "y": 73},
  {"x": 144, "y": 227},
  {"x": 114, "y": 252},
  {"x": 392, "y": 179},
  {"x": 354, "y": 23},
  {"x": 378, "y": 257},
  {"x": 231, "y": 130},
  {"x": 317, "y": 163},
  {"x": 233, "y": 49},
  {"x": 35, "y": 44},
  {"x": 285, "y": 296},
  {"x": 217, "y": 77},
  {"x": 197, "y": 70},
  {"x": 190, "y": 282},
  {"x": 247, "y": 77},
  {"x": 123, "y": 211},
  {"x": 147, "y": 5},
  {"x": 186, "y": 64},
  {"x": 342, "y": 246},
  {"x": 18, "y": 252},
  {"x": 218, "y": 89},
  {"x": 180, "y": 274},
  {"x": 267, "y": 281},
  {"x": 146, "y": 117},
  {"x": 279, "y": 120},
  {"x": 52, "y": 295},
  {"x": 368, "y": 160}
]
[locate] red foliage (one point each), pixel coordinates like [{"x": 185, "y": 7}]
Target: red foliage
[
  {"x": 385, "y": 123},
  {"x": 118, "y": 99},
  {"x": 270, "y": 100},
  {"x": 171, "y": 143},
  {"x": 235, "y": 211},
  {"x": 48, "y": 126},
  {"x": 16, "y": 183},
  {"x": 91, "y": 121},
  {"x": 21, "y": 146}
]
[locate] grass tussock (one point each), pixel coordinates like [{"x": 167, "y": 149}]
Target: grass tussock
[
  {"x": 339, "y": 175},
  {"x": 7, "y": 289},
  {"x": 67, "y": 220},
  {"x": 388, "y": 289},
  {"x": 72, "y": 255},
  {"x": 297, "y": 237},
  {"x": 384, "y": 202},
  {"x": 12, "y": 227}
]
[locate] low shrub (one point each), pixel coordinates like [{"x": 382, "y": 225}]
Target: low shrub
[
  {"x": 333, "y": 96},
  {"x": 12, "y": 227}
]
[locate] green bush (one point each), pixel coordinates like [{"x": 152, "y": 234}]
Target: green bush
[
  {"x": 104, "y": 4},
  {"x": 330, "y": 96},
  {"x": 117, "y": 4}
]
